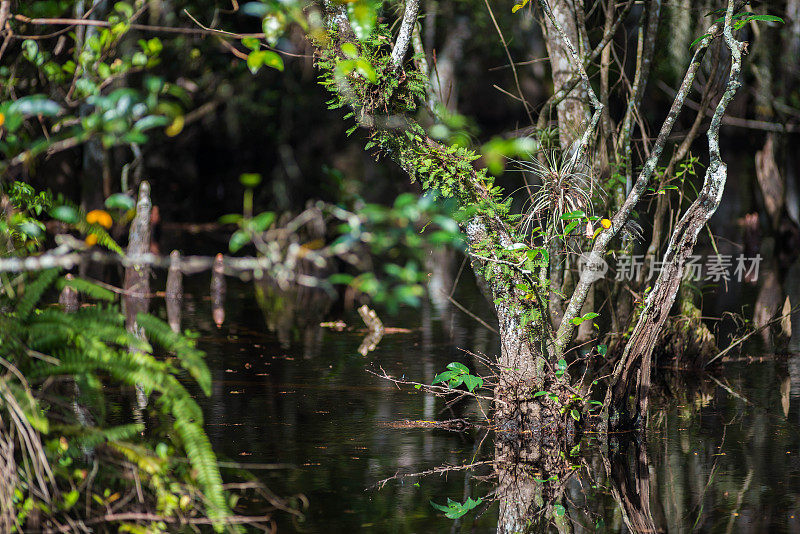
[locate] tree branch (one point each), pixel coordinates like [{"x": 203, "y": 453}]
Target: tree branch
[
  {"x": 566, "y": 329},
  {"x": 406, "y": 28},
  {"x": 684, "y": 237}
]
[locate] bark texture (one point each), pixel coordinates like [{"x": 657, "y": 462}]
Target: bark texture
[{"x": 634, "y": 368}]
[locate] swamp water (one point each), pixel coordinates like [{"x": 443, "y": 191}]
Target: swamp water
[{"x": 723, "y": 455}]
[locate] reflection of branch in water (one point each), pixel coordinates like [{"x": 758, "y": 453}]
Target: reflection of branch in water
[
  {"x": 631, "y": 488},
  {"x": 710, "y": 478},
  {"x": 375, "y": 327},
  {"x": 739, "y": 498}
]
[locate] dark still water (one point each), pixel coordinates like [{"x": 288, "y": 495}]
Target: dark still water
[{"x": 723, "y": 453}]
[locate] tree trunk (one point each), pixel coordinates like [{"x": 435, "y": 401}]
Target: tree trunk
[{"x": 573, "y": 111}]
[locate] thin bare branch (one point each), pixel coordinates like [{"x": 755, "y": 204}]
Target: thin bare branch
[{"x": 406, "y": 29}]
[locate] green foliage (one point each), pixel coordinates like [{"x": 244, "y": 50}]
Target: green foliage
[
  {"x": 455, "y": 509},
  {"x": 93, "y": 348},
  {"x": 458, "y": 374},
  {"x": 56, "y": 98},
  {"x": 739, "y": 21},
  {"x": 22, "y": 226},
  {"x": 588, "y": 317}
]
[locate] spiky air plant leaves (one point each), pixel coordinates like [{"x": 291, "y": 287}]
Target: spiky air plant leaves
[
  {"x": 565, "y": 186},
  {"x": 631, "y": 233}
]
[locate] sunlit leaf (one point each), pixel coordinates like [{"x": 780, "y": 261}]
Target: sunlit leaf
[
  {"x": 457, "y": 366},
  {"x": 35, "y": 105},
  {"x": 120, "y": 201},
  {"x": 66, "y": 214}
]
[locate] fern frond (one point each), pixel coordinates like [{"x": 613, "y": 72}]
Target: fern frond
[
  {"x": 34, "y": 290},
  {"x": 202, "y": 458},
  {"x": 90, "y": 289},
  {"x": 191, "y": 358},
  {"x": 91, "y": 437}
]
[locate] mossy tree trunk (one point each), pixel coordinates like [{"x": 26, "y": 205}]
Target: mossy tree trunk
[{"x": 526, "y": 358}]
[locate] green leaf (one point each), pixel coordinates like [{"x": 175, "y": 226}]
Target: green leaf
[
  {"x": 120, "y": 201},
  {"x": 457, "y": 366},
  {"x": 230, "y": 218},
  {"x": 257, "y": 58},
  {"x": 273, "y": 60},
  {"x": 88, "y": 288},
  {"x": 35, "y": 105},
  {"x": 571, "y": 226},
  {"x": 473, "y": 382},
  {"x": 251, "y": 42},
  {"x": 366, "y": 70},
  {"x": 250, "y": 179},
  {"x": 539, "y": 394},
  {"x": 70, "y": 499},
  {"x": 263, "y": 220},
  {"x": 559, "y": 510},
  {"x": 699, "y": 39},
  {"x": 561, "y": 367},
  {"x": 363, "y": 17},
  {"x": 443, "y": 377},
  {"x": 66, "y": 214},
  {"x": 238, "y": 240},
  {"x": 31, "y": 229},
  {"x": 575, "y": 414},
  {"x": 602, "y": 349},
  {"x": 350, "y": 50},
  {"x": 341, "y": 278},
  {"x": 150, "y": 121},
  {"x": 455, "y": 381},
  {"x": 578, "y": 214},
  {"x": 765, "y": 18}
]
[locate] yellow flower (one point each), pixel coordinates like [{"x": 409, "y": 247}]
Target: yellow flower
[
  {"x": 91, "y": 240},
  {"x": 606, "y": 223},
  {"x": 2, "y": 119},
  {"x": 100, "y": 217}
]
